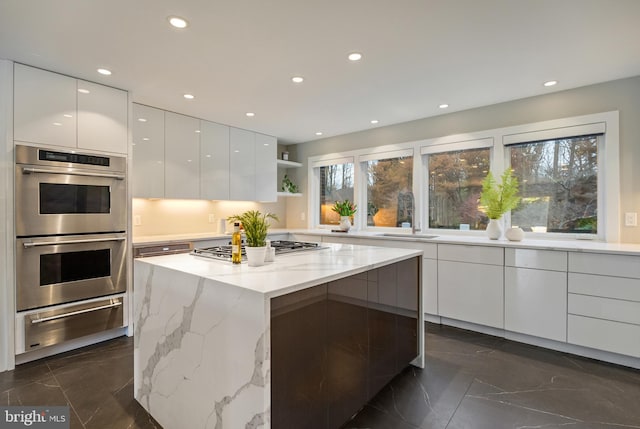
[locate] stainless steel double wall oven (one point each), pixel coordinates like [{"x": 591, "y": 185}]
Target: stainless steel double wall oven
[{"x": 70, "y": 217}]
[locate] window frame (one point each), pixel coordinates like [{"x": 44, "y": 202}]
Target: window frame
[
  {"x": 313, "y": 203},
  {"x": 609, "y": 218},
  {"x": 362, "y": 160},
  {"x": 439, "y": 146}
]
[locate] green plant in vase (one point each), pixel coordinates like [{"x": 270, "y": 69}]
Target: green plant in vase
[
  {"x": 255, "y": 226},
  {"x": 346, "y": 209},
  {"x": 499, "y": 198},
  {"x": 288, "y": 185}
]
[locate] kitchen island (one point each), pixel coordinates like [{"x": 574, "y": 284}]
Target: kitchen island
[{"x": 304, "y": 341}]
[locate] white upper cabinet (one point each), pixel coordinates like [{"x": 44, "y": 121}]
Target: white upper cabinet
[
  {"x": 148, "y": 152},
  {"x": 54, "y": 109},
  {"x": 178, "y": 156},
  {"x": 242, "y": 162},
  {"x": 182, "y": 153},
  {"x": 102, "y": 118},
  {"x": 44, "y": 107},
  {"x": 214, "y": 161},
  {"x": 266, "y": 170}
]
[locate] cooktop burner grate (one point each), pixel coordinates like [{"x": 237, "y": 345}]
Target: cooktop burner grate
[{"x": 281, "y": 247}]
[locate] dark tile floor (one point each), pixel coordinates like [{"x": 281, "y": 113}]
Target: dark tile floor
[
  {"x": 471, "y": 381},
  {"x": 96, "y": 382}
]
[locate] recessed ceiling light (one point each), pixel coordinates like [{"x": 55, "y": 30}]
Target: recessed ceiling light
[
  {"x": 197, "y": 131},
  {"x": 297, "y": 79},
  {"x": 178, "y": 22},
  {"x": 189, "y": 96},
  {"x": 374, "y": 121},
  {"x": 83, "y": 91},
  {"x": 443, "y": 106},
  {"x": 142, "y": 120},
  {"x": 319, "y": 133},
  {"x": 104, "y": 72},
  {"x": 145, "y": 139},
  {"x": 250, "y": 114},
  {"x": 57, "y": 124},
  {"x": 355, "y": 56},
  {"x": 550, "y": 83},
  {"x": 66, "y": 115}
]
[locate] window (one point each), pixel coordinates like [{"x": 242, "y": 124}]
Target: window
[
  {"x": 389, "y": 191},
  {"x": 336, "y": 184},
  {"x": 558, "y": 184},
  {"x": 455, "y": 182}
]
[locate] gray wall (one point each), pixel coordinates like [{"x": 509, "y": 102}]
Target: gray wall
[{"x": 622, "y": 95}]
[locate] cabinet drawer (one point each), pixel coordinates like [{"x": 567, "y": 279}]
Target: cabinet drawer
[
  {"x": 608, "y": 287},
  {"x": 472, "y": 254},
  {"x": 50, "y": 327},
  {"x": 551, "y": 260},
  {"x": 605, "y": 308},
  {"x": 606, "y": 265},
  {"x": 604, "y": 335}
]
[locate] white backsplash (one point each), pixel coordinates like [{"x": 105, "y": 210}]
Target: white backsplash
[{"x": 165, "y": 217}]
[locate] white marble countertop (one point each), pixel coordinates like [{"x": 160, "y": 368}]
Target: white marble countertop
[
  {"x": 576, "y": 245},
  {"x": 289, "y": 272}
]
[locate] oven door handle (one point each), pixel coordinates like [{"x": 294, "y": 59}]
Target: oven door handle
[
  {"x": 55, "y": 243},
  {"x": 75, "y": 313},
  {"x": 29, "y": 170}
]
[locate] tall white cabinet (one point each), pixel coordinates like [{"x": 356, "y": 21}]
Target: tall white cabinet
[
  {"x": 182, "y": 155},
  {"x": 44, "y": 107},
  {"x": 148, "y": 152},
  {"x": 214, "y": 161},
  {"x": 53, "y": 109},
  {"x": 266, "y": 172},
  {"x": 242, "y": 162},
  {"x": 102, "y": 118}
]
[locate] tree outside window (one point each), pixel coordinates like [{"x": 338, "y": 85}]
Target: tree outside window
[
  {"x": 336, "y": 184},
  {"x": 558, "y": 184},
  {"x": 455, "y": 183},
  {"x": 389, "y": 192}
]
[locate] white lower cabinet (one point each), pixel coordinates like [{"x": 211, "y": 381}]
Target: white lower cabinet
[
  {"x": 471, "y": 292},
  {"x": 430, "y": 286},
  {"x": 535, "y": 302},
  {"x": 471, "y": 284},
  {"x": 604, "y": 302},
  {"x": 535, "y": 293}
]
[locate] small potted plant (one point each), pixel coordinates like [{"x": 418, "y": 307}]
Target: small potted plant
[
  {"x": 255, "y": 227},
  {"x": 498, "y": 199},
  {"x": 288, "y": 185},
  {"x": 346, "y": 209}
]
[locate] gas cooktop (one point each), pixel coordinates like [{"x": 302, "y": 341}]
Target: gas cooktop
[{"x": 281, "y": 246}]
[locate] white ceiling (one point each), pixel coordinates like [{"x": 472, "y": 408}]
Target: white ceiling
[{"x": 239, "y": 55}]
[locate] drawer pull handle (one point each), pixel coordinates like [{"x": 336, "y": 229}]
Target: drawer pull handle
[
  {"x": 29, "y": 170},
  {"x": 75, "y": 313},
  {"x": 55, "y": 243}
]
